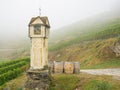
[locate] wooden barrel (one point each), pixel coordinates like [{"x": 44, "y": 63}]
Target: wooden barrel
[
  {"x": 68, "y": 67},
  {"x": 76, "y": 67},
  {"x": 51, "y": 66},
  {"x": 58, "y": 67}
]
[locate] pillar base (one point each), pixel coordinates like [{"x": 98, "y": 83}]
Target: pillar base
[{"x": 38, "y": 80}]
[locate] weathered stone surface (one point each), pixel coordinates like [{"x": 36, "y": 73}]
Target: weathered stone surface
[
  {"x": 38, "y": 80},
  {"x": 116, "y": 49},
  {"x": 64, "y": 67},
  {"x": 39, "y": 42},
  {"x": 51, "y": 66},
  {"x": 68, "y": 67},
  {"x": 39, "y": 53},
  {"x": 76, "y": 67},
  {"x": 58, "y": 67}
]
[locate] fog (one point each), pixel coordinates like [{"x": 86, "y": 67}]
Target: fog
[{"x": 16, "y": 14}]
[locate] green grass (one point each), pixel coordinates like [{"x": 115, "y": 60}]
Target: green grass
[
  {"x": 84, "y": 82},
  {"x": 3, "y": 60},
  {"x": 64, "y": 82},
  {"x": 97, "y": 85},
  {"x": 80, "y": 81},
  {"x": 112, "y": 63},
  {"x": 98, "y": 82}
]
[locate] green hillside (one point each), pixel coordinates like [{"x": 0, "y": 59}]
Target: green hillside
[
  {"x": 89, "y": 41},
  {"x": 78, "y": 32}
]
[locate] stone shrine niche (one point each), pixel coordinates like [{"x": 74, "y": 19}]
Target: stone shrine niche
[
  {"x": 38, "y": 33},
  {"x": 37, "y": 29}
]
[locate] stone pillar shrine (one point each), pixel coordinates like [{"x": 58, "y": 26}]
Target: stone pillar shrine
[
  {"x": 38, "y": 33},
  {"x": 38, "y": 74}
]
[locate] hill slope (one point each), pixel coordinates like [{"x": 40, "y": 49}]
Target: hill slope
[
  {"x": 94, "y": 42},
  {"x": 99, "y": 27}
]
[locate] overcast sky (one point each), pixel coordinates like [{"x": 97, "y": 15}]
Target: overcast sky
[{"x": 16, "y": 14}]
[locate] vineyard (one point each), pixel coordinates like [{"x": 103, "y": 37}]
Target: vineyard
[
  {"x": 76, "y": 33},
  {"x": 12, "y": 69}
]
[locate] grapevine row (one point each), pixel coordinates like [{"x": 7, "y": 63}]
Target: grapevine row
[
  {"x": 11, "y": 62},
  {"x": 12, "y": 67},
  {"x": 11, "y": 74}
]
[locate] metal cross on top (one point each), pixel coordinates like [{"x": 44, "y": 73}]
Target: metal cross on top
[{"x": 39, "y": 11}]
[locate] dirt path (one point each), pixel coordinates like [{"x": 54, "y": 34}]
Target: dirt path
[{"x": 113, "y": 72}]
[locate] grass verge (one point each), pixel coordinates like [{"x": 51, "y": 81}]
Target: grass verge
[
  {"x": 72, "y": 82},
  {"x": 64, "y": 82},
  {"x": 84, "y": 82}
]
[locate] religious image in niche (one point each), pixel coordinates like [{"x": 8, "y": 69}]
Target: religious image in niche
[{"x": 37, "y": 29}]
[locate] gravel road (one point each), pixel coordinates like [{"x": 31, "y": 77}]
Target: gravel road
[{"x": 113, "y": 72}]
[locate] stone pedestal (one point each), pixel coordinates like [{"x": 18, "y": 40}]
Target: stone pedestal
[{"x": 38, "y": 80}]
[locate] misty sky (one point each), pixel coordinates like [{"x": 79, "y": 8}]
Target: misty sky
[{"x": 16, "y": 14}]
